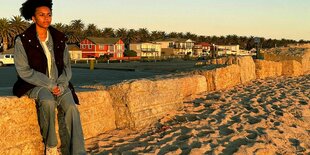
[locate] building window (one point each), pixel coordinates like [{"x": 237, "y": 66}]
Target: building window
[
  {"x": 119, "y": 47},
  {"x": 111, "y": 48},
  {"x": 171, "y": 45},
  {"x": 83, "y": 46},
  {"x": 89, "y": 46},
  {"x": 101, "y": 47}
]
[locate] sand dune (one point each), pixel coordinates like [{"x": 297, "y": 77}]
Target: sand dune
[{"x": 270, "y": 116}]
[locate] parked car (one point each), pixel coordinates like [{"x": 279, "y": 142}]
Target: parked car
[{"x": 6, "y": 59}]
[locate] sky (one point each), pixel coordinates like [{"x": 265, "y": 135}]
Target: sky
[{"x": 276, "y": 19}]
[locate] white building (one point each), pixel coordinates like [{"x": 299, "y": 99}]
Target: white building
[{"x": 147, "y": 49}]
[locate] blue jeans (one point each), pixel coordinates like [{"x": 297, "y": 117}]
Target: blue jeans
[{"x": 46, "y": 106}]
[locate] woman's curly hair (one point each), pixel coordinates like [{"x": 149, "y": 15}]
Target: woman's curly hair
[{"x": 29, "y": 7}]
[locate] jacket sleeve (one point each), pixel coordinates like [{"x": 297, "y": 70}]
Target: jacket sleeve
[
  {"x": 26, "y": 72},
  {"x": 64, "y": 78}
]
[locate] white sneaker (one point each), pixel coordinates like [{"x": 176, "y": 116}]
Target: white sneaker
[{"x": 51, "y": 151}]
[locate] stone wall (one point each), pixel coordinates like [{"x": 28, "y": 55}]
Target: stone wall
[
  {"x": 301, "y": 55},
  {"x": 96, "y": 112},
  {"x": 242, "y": 71},
  {"x": 133, "y": 104},
  {"x": 227, "y": 77},
  {"x": 140, "y": 103},
  {"x": 222, "y": 61},
  {"x": 247, "y": 69},
  {"x": 266, "y": 69},
  {"x": 291, "y": 68},
  {"x": 19, "y": 129},
  {"x": 20, "y": 132},
  {"x": 305, "y": 62},
  {"x": 210, "y": 78}
]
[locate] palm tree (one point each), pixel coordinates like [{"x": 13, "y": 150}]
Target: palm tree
[
  {"x": 162, "y": 34},
  {"x": 143, "y": 35},
  {"x": 131, "y": 37},
  {"x": 59, "y": 26},
  {"x": 72, "y": 37},
  {"x": 77, "y": 26},
  {"x": 7, "y": 33},
  {"x": 201, "y": 39},
  {"x": 214, "y": 39},
  {"x": 242, "y": 41},
  {"x": 250, "y": 43},
  {"x": 231, "y": 39},
  {"x": 191, "y": 36},
  {"x": 180, "y": 35},
  {"x": 156, "y": 35},
  {"x": 18, "y": 24},
  {"x": 221, "y": 40},
  {"x": 92, "y": 30},
  {"x": 121, "y": 33},
  {"x": 173, "y": 35},
  {"x": 108, "y": 32}
]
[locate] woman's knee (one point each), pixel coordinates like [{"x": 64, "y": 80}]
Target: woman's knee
[
  {"x": 46, "y": 99},
  {"x": 45, "y": 94},
  {"x": 48, "y": 104},
  {"x": 67, "y": 102}
]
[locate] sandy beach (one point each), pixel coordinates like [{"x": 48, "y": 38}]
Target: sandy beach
[{"x": 270, "y": 116}]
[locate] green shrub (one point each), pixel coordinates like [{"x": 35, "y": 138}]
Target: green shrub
[{"x": 130, "y": 53}]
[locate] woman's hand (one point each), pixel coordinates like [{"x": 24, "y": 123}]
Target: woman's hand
[{"x": 56, "y": 91}]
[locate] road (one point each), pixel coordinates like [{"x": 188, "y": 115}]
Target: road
[
  {"x": 105, "y": 74},
  {"x": 81, "y": 76}
]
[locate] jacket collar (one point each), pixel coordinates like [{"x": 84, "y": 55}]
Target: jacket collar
[{"x": 57, "y": 36}]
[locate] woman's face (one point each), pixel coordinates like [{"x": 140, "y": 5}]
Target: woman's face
[{"x": 42, "y": 17}]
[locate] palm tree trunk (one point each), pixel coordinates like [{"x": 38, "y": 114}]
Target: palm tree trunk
[{"x": 5, "y": 44}]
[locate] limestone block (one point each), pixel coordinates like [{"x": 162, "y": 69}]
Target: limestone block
[
  {"x": 301, "y": 55},
  {"x": 192, "y": 85},
  {"x": 140, "y": 103},
  {"x": 226, "y": 77},
  {"x": 247, "y": 68},
  {"x": 19, "y": 129},
  {"x": 96, "y": 112},
  {"x": 266, "y": 69},
  {"x": 305, "y": 62},
  {"x": 230, "y": 60},
  {"x": 291, "y": 68},
  {"x": 209, "y": 76}
]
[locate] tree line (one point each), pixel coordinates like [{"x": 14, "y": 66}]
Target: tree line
[{"x": 77, "y": 30}]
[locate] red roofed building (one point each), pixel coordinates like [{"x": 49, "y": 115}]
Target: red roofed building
[
  {"x": 94, "y": 47},
  {"x": 202, "y": 49}
]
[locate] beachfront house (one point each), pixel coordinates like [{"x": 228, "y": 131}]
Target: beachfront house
[
  {"x": 75, "y": 52},
  {"x": 146, "y": 49},
  {"x": 176, "y": 47},
  {"x": 94, "y": 47},
  {"x": 227, "y": 49},
  {"x": 202, "y": 49}
]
